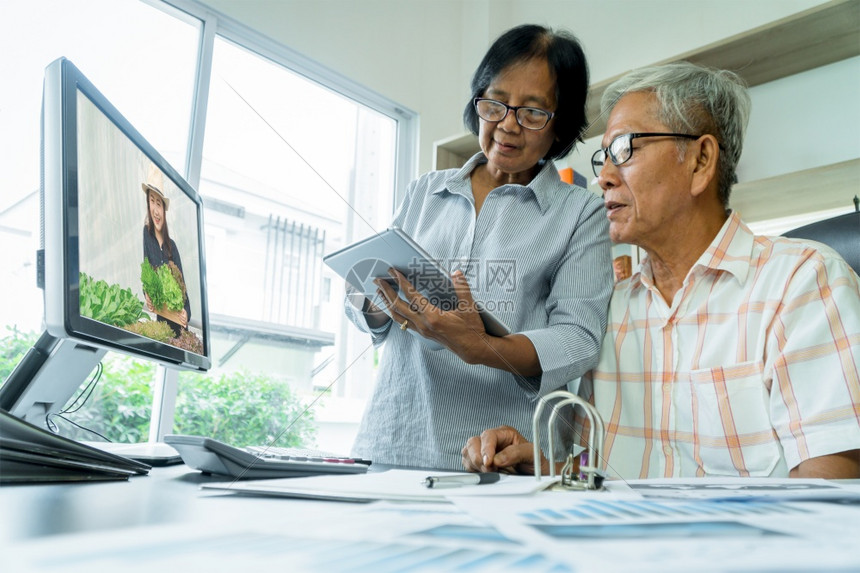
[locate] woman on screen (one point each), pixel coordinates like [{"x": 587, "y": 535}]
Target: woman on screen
[
  {"x": 158, "y": 248},
  {"x": 532, "y": 249}
]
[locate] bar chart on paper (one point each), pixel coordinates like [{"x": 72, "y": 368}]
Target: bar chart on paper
[
  {"x": 601, "y": 511},
  {"x": 624, "y": 531}
]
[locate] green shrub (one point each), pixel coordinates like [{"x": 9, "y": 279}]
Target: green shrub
[
  {"x": 244, "y": 408},
  {"x": 13, "y": 347},
  {"x": 120, "y": 406}
]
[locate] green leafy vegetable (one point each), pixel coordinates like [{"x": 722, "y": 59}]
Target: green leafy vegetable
[
  {"x": 171, "y": 290},
  {"x": 111, "y": 304},
  {"x": 151, "y": 284},
  {"x": 177, "y": 274},
  {"x": 161, "y": 285}
]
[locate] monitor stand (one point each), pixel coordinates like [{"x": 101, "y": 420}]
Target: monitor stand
[{"x": 47, "y": 377}]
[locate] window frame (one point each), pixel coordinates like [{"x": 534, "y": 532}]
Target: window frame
[{"x": 212, "y": 25}]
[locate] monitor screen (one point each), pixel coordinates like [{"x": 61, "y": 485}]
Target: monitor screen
[{"x": 122, "y": 261}]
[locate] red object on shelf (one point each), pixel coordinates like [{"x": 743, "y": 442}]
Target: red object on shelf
[{"x": 566, "y": 174}]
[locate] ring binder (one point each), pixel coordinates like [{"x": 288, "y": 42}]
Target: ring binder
[{"x": 593, "y": 477}]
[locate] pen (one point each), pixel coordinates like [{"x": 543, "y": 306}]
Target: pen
[{"x": 461, "y": 479}]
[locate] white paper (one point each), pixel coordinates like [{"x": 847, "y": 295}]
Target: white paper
[
  {"x": 737, "y": 488},
  {"x": 606, "y": 531},
  {"x": 622, "y": 530},
  {"x": 393, "y": 485},
  {"x": 291, "y": 535}
]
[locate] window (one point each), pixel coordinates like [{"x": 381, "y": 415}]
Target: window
[
  {"x": 291, "y": 170},
  {"x": 291, "y": 160}
]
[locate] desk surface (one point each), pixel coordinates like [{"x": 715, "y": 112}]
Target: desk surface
[
  {"x": 167, "y": 494},
  {"x": 164, "y": 521}
]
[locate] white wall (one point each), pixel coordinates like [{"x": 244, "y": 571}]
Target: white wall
[
  {"x": 804, "y": 121},
  {"x": 799, "y": 122},
  {"x": 620, "y": 35},
  {"x": 421, "y": 53}
]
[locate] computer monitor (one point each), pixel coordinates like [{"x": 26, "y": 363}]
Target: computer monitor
[{"x": 121, "y": 260}]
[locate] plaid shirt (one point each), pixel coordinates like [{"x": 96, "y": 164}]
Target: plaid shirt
[{"x": 751, "y": 370}]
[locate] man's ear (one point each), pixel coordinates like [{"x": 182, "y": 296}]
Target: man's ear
[{"x": 705, "y": 170}]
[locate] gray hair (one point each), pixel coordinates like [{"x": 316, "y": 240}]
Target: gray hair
[{"x": 698, "y": 100}]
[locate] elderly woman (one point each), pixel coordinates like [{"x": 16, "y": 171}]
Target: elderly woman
[{"x": 532, "y": 249}]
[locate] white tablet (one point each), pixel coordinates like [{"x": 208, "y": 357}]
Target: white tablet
[{"x": 371, "y": 258}]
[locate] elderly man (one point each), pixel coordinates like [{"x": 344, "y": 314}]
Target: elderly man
[{"x": 727, "y": 354}]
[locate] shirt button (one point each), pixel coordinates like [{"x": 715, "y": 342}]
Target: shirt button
[{"x": 667, "y": 450}]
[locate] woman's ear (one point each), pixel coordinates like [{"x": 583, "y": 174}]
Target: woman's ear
[{"x": 705, "y": 172}]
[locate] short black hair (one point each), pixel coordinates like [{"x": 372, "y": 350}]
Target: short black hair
[{"x": 566, "y": 60}]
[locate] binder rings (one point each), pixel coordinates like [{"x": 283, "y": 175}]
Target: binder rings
[{"x": 590, "y": 476}]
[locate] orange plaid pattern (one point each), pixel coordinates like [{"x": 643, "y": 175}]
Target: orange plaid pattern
[{"x": 752, "y": 369}]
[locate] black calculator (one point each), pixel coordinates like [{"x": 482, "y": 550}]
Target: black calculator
[{"x": 260, "y": 462}]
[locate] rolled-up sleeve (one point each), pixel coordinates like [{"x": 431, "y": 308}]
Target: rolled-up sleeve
[{"x": 355, "y": 316}]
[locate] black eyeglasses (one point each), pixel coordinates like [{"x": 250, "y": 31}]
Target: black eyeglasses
[
  {"x": 494, "y": 111},
  {"x": 620, "y": 150}
]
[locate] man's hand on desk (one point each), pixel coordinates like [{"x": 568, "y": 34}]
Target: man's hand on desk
[
  {"x": 501, "y": 449},
  {"x": 504, "y": 449}
]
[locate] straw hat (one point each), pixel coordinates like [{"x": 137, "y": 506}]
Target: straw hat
[{"x": 155, "y": 182}]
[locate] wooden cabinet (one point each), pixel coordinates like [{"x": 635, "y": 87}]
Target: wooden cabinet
[
  {"x": 454, "y": 151},
  {"x": 807, "y": 191}
]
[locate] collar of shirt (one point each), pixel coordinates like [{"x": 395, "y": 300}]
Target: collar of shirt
[
  {"x": 543, "y": 187},
  {"x": 730, "y": 251}
]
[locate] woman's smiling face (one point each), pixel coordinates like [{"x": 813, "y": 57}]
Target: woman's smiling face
[
  {"x": 156, "y": 211},
  {"x": 511, "y": 149}
]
